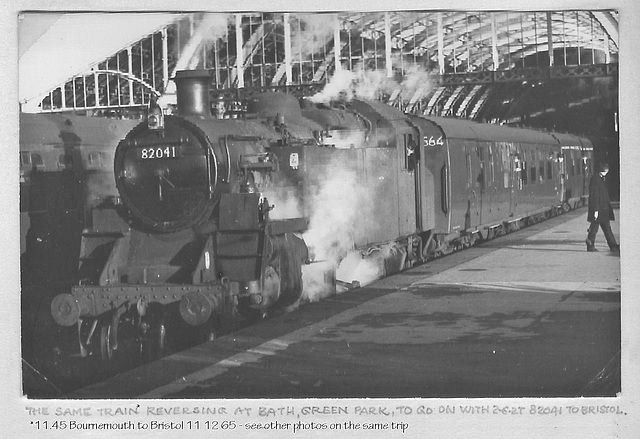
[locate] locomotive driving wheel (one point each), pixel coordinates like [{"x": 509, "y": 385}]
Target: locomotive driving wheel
[
  {"x": 152, "y": 343},
  {"x": 106, "y": 343},
  {"x": 159, "y": 339},
  {"x": 110, "y": 335}
]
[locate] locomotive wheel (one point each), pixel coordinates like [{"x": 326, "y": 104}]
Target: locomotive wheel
[
  {"x": 161, "y": 339},
  {"x": 106, "y": 343},
  {"x": 153, "y": 344}
]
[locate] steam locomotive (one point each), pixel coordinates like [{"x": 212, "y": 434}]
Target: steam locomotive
[{"x": 220, "y": 215}]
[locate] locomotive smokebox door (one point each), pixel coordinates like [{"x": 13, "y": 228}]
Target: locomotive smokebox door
[{"x": 169, "y": 179}]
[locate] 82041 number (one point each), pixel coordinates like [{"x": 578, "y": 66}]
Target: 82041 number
[{"x": 168, "y": 152}]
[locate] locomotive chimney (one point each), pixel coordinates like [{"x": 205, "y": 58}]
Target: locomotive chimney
[{"x": 192, "y": 89}]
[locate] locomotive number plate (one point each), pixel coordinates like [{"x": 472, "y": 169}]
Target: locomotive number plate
[{"x": 167, "y": 152}]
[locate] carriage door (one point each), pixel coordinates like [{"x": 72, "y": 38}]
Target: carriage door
[
  {"x": 562, "y": 172},
  {"x": 484, "y": 197},
  {"x": 516, "y": 182},
  {"x": 585, "y": 176}
]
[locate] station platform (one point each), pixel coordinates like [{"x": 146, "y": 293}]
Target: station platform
[{"x": 529, "y": 314}]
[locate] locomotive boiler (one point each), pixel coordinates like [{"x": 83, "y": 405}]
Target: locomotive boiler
[{"x": 223, "y": 215}]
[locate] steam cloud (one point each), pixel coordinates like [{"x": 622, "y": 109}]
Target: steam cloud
[
  {"x": 336, "y": 208},
  {"x": 312, "y": 34},
  {"x": 339, "y": 212},
  {"x": 342, "y": 205},
  {"x": 212, "y": 28},
  {"x": 372, "y": 84}
]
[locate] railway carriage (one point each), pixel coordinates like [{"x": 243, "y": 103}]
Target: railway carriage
[
  {"x": 575, "y": 163},
  {"x": 66, "y": 164},
  {"x": 489, "y": 178}
]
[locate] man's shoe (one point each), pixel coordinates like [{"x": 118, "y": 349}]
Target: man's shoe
[
  {"x": 591, "y": 248},
  {"x": 615, "y": 248}
]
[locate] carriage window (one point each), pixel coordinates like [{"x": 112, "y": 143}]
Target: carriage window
[
  {"x": 36, "y": 159},
  {"x": 469, "y": 176},
  {"x": 25, "y": 159},
  {"x": 549, "y": 170},
  {"x": 411, "y": 152},
  {"x": 541, "y": 170},
  {"x": 482, "y": 178},
  {"x": 492, "y": 170},
  {"x": 533, "y": 174},
  {"x": 524, "y": 172},
  {"x": 93, "y": 158},
  {"x": 580, "y": 167},
  {"x": 97, "y": 159},
  {"x": 572, "y": 171},
  {"x": 65, "y": 161}
]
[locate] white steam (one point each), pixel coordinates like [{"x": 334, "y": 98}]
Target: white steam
[
  {"x": 366, "y": 269},
  {"x": 311, "y": 33},
  {"x": 212, "y": 28},
  {"x": 341, "y": 210},
  {"x": 284, "y": 205},
  {"x": 415, "y": 84},
  {"x": 343, "y": 139},
  {"x": 347, "y": 84},
  {"x": 373, "y": 84},
  {"x": 336, "y": 208}
]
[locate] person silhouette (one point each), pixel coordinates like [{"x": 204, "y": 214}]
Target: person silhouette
[{"x": 600, "y": 210}]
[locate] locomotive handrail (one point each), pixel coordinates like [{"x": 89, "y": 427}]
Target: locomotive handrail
[
  {"x": 444, "y": 190},
  {"x": 156, "y": 142},
  {"x": 239, "y": 137},
  {"x": 226, "y": 147},
  {"x": 269, "y": 161},
  {"x": 366, "y": 121},
  {"x": 211, "y": 156},
  {"x": 185, "y": 189}
]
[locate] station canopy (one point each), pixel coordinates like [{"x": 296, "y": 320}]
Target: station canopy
[{"x": 494, "y": 57}]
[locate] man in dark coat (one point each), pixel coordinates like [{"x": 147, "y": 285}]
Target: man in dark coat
[{"x": 600, "y": 211}]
